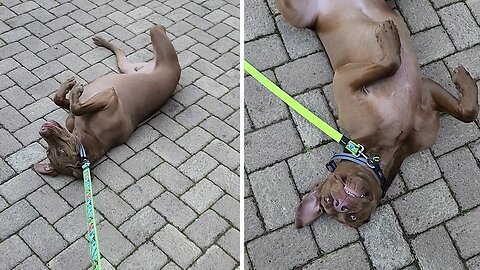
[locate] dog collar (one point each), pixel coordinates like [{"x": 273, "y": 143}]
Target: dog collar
[{"x": 368, "y": 163}]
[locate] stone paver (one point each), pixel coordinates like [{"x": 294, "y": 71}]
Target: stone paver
[
  {"x": 159, "y": 177},
  {"x": 429, "y": 217}
]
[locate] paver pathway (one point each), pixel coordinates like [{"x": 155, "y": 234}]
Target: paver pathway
[
  {"x": 169, "y": 197},
  {"x": 431, "y": 216}
]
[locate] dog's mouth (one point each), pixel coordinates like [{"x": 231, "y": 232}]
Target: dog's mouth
[
  {"x": 353, "y": 187},
  {"x": 352, "y": 192}
]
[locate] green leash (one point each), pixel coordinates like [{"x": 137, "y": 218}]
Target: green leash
[
  {"x": 92, "y": 227},
  {"x": 354, "y": 148}
]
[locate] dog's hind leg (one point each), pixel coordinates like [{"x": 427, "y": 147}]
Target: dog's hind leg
[
  {"x": 162, "y": 47},
  {"x": 124, "y": 65},
  {"x": 299, "y": 13},
  {"x": 355, "y": 76},
  {"x": 464, "y": 109}
]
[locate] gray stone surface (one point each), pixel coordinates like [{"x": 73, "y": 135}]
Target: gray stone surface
[
  {"x": 464, "y": 231},
  {"x": 177, "y": 246},
  {"x": 73, "y": 257},
  {"x": 308, "y": 169},
  {"x": 113, "y": 207},
  {"x": 13, "y": 251},
  {"x": 216, "y": 256},
  {"x": 310, "y": 134},
  {"x": 419, "y": 15},
  {"x": 263, "y": 107},
  {"x": 428, "y": 51},
  {"x": 142, "y": 192},
  {"x": 169, "y": 206},
  {"x": 426, "y": 207},
  {"x": 460, "y": 169},
  {"x": 258, "y": 19},
  {"x": 114, "y": 246},
  {"x": 32, "y": 262},
  {"x": 434, "y": 250},
  {"x": 474, "y": 263},
  {"x": 171, "y": 179},
  {"x": 49, "y": 204},
  {"x": 272, "y": 52},
  {"x": 282, "y": 249},
  {"x": 38, "y": 235},
  {"x": 453, "y": 134},
  {"x": 147, "y": 257},
  {"x": 269, "y": 145},
  {"x": 198, "y": 166},
  {"x": 206, "y": 229},
  {"x": 315, "y": 70},
  {"x": 15, "y": 218},
  {"x": 201, "y": 196},
  {"x": 253, "y": 226},
  {"x": 142, "y": 225},
  {"x": 384, "y": 241},
  {"x": 275, "y": 194},
  {"x": 466, "y": 59},
  {"x": 461, "y": 25},
  {"x": 331, "y": 234},
  {"x": 352, "y": 256},
  {"x": 298, "y": 42},
  {"x": 419, "y": 169},
  {"x": 229, "y": 208},
  {"x": 20, "y": 186}
]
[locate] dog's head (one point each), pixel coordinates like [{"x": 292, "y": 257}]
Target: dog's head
[
  {"x": 63, "y": 151},
  {"x": 350, "y": 194}
]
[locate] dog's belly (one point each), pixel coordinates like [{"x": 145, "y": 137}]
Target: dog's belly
[
  {"x": 387, "y": 110},
  {"x": 140, "y": 94},
  {"x": 347, "y": 30}
]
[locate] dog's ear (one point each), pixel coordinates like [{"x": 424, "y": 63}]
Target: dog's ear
[
  {"x": 45, "y": 168},
  {"x": 308, "y": 210}
]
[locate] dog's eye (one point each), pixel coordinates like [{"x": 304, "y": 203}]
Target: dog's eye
[
  {"x": 353, "y": 217},
  {"x": 328, "y": 200},
  {"x": 61, "y": 150}
]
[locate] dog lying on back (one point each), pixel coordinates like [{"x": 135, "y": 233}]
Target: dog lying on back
[
  {"x": 383, "y": 103},
  {"x": 104, "y": 113}
]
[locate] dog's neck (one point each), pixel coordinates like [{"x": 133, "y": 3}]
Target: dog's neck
[
  {"x": 391, "y": 158},
  {"x": 93, "y": 147}
]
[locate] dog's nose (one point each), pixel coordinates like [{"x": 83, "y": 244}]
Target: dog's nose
[{"x": 340, "y": 206}]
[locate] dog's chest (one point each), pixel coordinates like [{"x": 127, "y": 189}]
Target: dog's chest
[{"x": 376, "y": 117}]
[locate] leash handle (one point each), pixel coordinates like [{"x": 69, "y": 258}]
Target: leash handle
[
  {"x": 92, "y": 226},
  {"x": 354, "y": 148}
]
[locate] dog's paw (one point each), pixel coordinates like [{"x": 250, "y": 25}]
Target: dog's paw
[
  {"x": 99, "y": 41},
  {"x": 77, "y": 89},
  {"x": 387, "y": 35},
  {"x": 463, "y": 80}
]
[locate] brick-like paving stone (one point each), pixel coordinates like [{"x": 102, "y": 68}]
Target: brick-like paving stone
[
  {"x": 176, "y": 171},
  {"x": 429, "y": 218}
]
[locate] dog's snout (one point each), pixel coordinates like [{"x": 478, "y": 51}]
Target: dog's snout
[{"x": 340, "y": 206}]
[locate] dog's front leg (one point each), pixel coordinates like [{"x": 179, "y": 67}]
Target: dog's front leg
[
  {"x": 60, "y": 97},
  {"x": 94, "y": 104},
  {"x": 354, "y": 76}
]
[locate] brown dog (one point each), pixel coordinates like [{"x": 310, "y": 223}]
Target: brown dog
[
  {"x": 104, "y": 113},
  {"x": 383, "y": 102}
]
